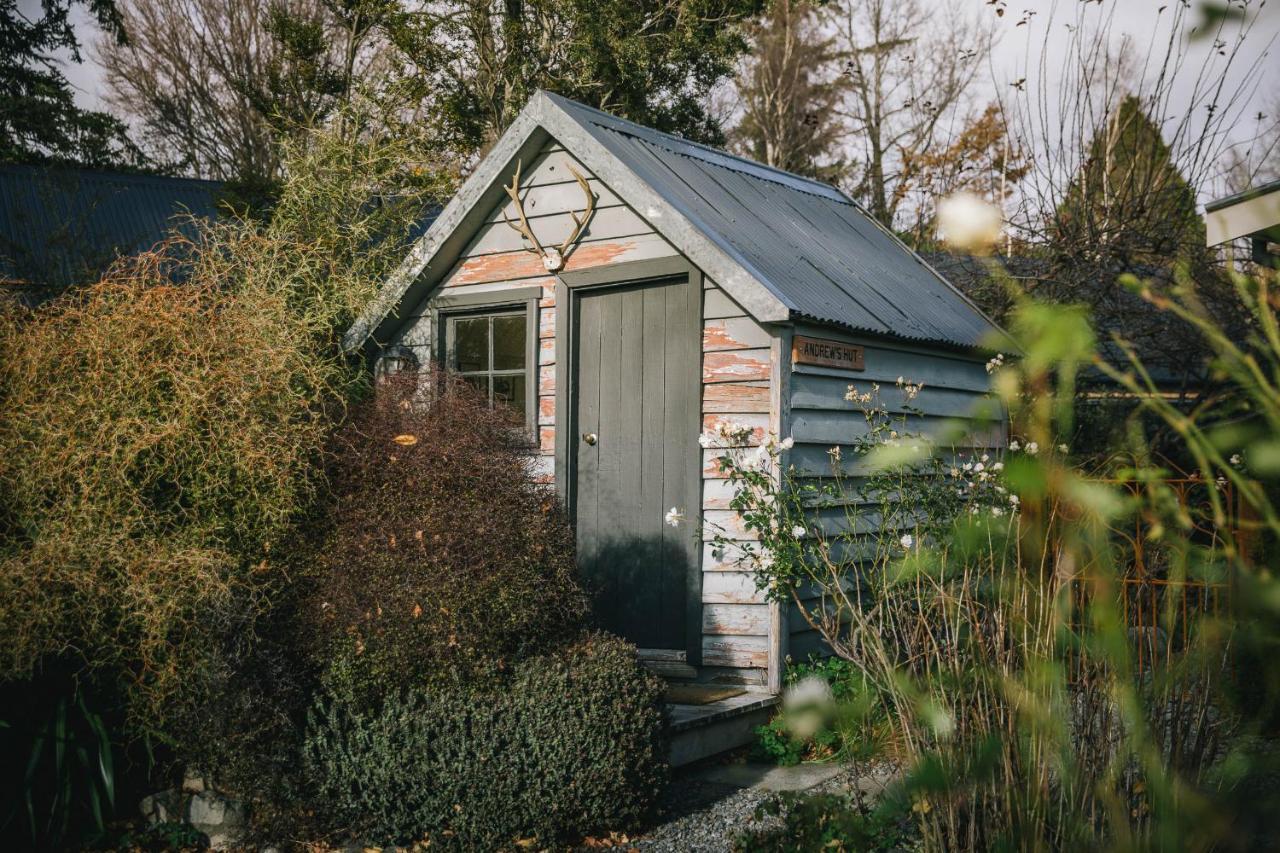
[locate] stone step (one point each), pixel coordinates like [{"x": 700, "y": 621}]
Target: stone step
[{"x": 696, "y": 732}]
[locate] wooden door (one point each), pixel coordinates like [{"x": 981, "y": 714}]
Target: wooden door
[{"x": 634, "y": 445}]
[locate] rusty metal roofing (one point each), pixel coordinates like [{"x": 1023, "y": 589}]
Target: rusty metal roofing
[
  {"x": 61, "y": 225},
  {"x": 816, "y": 249}
]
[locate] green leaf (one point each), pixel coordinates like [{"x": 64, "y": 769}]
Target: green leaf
[
  {"x": 909, "y": 452},
  {"x": 106, "y": 766},
  {"x": 1263, "y": 457}
]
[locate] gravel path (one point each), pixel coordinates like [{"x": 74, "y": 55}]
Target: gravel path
[{"x": 705, "y": 809}]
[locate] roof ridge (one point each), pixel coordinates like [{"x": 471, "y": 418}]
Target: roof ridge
[
  {"x": 89, "y": 171},
  {"x": 716, "y": 156}
]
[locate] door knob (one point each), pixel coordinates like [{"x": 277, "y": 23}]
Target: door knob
[{"x": 589, "y": 438}]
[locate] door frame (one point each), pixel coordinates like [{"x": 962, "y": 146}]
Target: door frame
[{"x": 568, "y": 285}]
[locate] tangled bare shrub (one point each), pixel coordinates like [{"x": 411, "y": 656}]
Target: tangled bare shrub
[
  {"x": 157, "y": 441},
  {"x": 445, "y": 557},
  {"x": 162, "y": 430}
]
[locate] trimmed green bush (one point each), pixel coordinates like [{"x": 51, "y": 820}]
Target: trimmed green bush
[{"x": 568, "y": 744}]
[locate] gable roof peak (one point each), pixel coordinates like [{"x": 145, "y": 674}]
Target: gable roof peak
[{"x": 782, "y": 246}]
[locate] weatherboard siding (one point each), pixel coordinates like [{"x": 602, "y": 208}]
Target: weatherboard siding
[
  {"x": 820, "y": 419},
  {"x": 736, "y": 369}
]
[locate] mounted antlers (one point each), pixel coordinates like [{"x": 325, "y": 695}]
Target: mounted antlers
[{"x": 552, "y": 259}]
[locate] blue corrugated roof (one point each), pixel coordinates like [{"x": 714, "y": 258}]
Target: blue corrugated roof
[
  {"x": 58, "y": 225},
  {"x": 814, "y": 248}
]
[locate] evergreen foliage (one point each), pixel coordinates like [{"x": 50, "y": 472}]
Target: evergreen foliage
[
  {"x": 39, "y": 119},
  {"x": 1128, "y": 199},
  {"x": 790, "y": 96},
  {"x": 474, "y": 64},
  {"x": 567, "y": 745}
]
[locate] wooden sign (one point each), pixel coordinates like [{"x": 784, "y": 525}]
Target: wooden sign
[{"x": 824, "y": 353}]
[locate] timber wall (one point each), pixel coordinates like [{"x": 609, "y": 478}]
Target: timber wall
[{"x": 819, "y": 418}]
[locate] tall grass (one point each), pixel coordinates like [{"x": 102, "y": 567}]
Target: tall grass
[{"x": 989, "y": 599}]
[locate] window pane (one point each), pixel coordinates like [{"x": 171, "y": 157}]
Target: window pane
[
  {"x": 510, "y": 390},
  {"x": 481, "y": 382},
  {"x": 471, "y": 344},
  {"x": 509, "y": 342}
]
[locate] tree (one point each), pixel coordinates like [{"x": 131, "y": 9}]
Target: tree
[
  {"x": 981, "y": 160},
  {"x": 788, "y": 94},
  {"x": 474, "y": 63},
  {"x": 216, "y": 84},
  {"x": 1258, "y": 161},
  {"x": 39, "y": 119},
  {"x": 1128, "y": 200},
  {"x": 910, "y": 65}
]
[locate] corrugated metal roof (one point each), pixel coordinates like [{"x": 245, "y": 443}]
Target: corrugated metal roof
[
  {"x": 815, "y": 249},
  {"x": 58, "y": 225}
]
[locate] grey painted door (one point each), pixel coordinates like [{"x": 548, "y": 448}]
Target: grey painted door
[{"x": 636, "y": 422}]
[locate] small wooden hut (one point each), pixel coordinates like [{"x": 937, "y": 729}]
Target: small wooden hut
[{"x": 628, "y": 290}]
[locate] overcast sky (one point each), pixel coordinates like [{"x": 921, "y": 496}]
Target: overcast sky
[{"x": 1018, "y": 52}]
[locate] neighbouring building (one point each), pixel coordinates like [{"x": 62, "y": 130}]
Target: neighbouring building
[
  {"x": 64, "y": 226},
  {"x": 1252, "y": 215}
]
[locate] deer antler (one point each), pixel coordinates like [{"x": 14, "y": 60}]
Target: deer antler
[
  {"x": 579, "y": 223},
  {"x": 552, "y": 259},
  {"x": 523, "y": 227}
]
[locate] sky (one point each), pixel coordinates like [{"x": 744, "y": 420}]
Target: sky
[{"x": 1024, "y": 31}]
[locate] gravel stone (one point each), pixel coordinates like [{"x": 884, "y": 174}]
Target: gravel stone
[{"x": 700, "y": 816}]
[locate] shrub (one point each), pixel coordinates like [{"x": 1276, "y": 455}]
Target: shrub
[
  {"x": 853, "y": 725},
  {"x": 1051, "y": 679},
  {"x": 566, "y": 744},
  {"x": 444, "y": 558},
  {"x": 155, "y": 442},
  {"x": 162, "y": 430}
]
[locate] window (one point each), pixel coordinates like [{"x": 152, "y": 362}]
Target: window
[{"x": 491, "y": 351}]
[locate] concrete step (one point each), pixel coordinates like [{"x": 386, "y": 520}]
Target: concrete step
[{"x": 696, "y": 732}]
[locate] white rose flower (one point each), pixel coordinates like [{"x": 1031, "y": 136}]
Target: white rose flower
[
  {"x": 674, "y": 517},
  {"x": 787, "y": 443},
  {"x": 810, "y": 690},
  {"x": 907, "y": 540},
  {"x": 969, "y": 223},
  {"x": 1033, "y": 448},
  {"x": 1014, "y": 446},
  {"x": 798, "y": 531}
]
